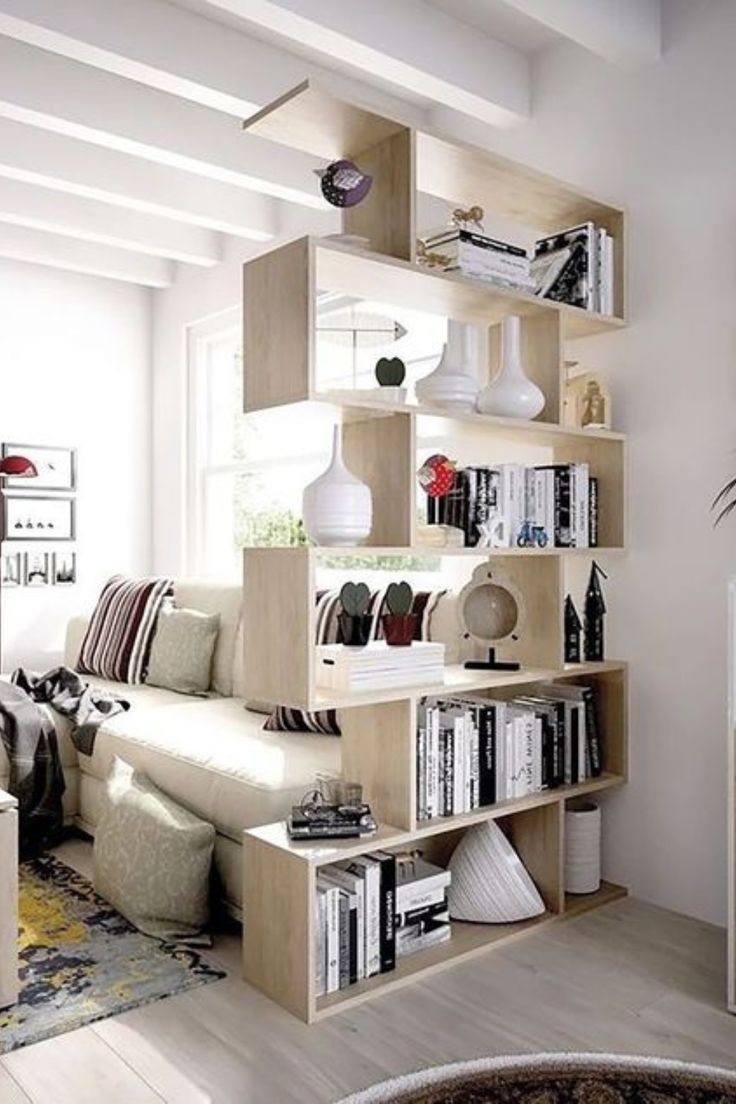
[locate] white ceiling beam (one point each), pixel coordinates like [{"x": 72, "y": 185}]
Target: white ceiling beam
[
  {"x": 416, "y": 50},
  {"x": 407, "y": 45},
  {"x": 78, "y": 168},
  {"x": 46, "y": 90},
  {"x": 625, "y": 32},
  {"x": 23, "y": 204},
  {"x": 23, "y": 244}
]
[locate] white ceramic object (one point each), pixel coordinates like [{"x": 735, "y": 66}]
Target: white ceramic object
[
  {"x": 490, "y": 884},
  {"x": 454, "y": 382},
  {"x": 583, "y": 849},
  {"x": 337, "y": 508},
  {"x": 511, "y": 394}
]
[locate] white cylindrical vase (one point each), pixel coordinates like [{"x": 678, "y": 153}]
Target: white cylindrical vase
[
  {"x": 337, "y": 507},
  {"x": 511, "y": 394},
  {"x": 583, "y": 848},
  {"x": 454, "y": 382}
]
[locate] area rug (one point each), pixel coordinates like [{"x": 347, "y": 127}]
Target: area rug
[
  {"x": 80, "y": 960},
  {"x": 558, "y": 1079}
]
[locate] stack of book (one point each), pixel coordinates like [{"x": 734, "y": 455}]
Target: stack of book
[
  {"x": 474, "y": 254},
  {"x": 474, "y": 751},
  {"x": 355, "y": 928},
  {"x": 422, "y": 917},
  {"x": 561, "y": 499},
  {"x": 377, "y": 665},
  {"x": 575, "y": 266}
]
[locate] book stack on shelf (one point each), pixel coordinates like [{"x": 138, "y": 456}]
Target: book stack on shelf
[
  {"x": 474, "y": 751},
  {"x": 376, "y": 665},
  {"x": 474, "y": 254},
  {"x": 576, "y": 267},
  {"x": 560, "y": 499},
  {"x": 372, "y": 910}
]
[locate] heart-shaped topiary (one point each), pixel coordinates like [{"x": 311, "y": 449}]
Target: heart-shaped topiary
[
  {"x": 354, "y": 598},
  {"x": 399, "y": 598},
  {"x": 390, "y": 372}
]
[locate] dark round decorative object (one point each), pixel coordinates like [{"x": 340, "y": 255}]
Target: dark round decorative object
[
  {"x": 390, "y": 372},
  {"x": 343, "y": 184}
]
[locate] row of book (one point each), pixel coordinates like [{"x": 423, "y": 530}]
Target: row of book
[
  {"x": 373, "y": 909},
  {"x": 574, "y": 266},
  {"x": 474, "y": 751},
  {"x": 474, "y": 254},
  {"x": 560, "y": 501}
]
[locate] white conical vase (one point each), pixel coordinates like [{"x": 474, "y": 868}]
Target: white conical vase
[
  {"x": 337, "y": 508},
  {"x": 511, "y": 394},
  {"x": 490, "y": 884},
  {"x": 454, "y": 382}
]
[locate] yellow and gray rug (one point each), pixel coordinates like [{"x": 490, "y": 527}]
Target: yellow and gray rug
[{"x": 80, "y": 960}]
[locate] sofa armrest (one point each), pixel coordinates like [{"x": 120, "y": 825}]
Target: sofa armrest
[{"x": 75, "y": 630}]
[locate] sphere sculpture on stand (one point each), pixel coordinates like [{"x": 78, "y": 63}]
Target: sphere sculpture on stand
[{"x": 490, "y": 884}]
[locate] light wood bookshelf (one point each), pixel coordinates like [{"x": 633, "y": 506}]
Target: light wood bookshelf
[{"x": 382, "y": 444}]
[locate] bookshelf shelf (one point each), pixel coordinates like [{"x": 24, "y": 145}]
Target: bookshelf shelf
[{"x": 384, "y": 444}]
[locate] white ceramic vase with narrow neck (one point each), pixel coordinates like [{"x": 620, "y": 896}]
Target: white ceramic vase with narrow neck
[
  {"x": 337, "y": 508},
  {"x": 511, "y": 394},
  {"x": 453, "y": 384}
]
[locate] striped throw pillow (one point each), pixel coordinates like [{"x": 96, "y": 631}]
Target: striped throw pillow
[
  {"x": 118, "y": 640},
  {"x": 284, "y": 719}
]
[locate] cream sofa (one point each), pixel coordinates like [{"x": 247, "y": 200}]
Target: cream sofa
[{"x": 210, "y": 754}]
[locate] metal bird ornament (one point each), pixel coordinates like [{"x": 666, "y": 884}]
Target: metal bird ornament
[{"x": 343, "y": 184}]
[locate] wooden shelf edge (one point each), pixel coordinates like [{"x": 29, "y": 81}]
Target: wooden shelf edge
[{"x": 578, "y": 903}]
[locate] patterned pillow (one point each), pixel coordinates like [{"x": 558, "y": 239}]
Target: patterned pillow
[
  {"x": 182, "y": 649},
  {"x": 118, "y": 639},
  {"x": 325, "y": 721}
]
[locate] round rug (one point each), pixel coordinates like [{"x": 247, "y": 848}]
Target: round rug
[{"x": 558, "y": 1079}]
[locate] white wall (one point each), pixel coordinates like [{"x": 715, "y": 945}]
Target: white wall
[
  {"x": 661, "y": 140},
  {"x": 75, "y": 359}
]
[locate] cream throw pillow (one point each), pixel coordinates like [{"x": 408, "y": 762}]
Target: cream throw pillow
[
  {"x": 182, "y": 649},
  {"x": 152, "y": 858}
]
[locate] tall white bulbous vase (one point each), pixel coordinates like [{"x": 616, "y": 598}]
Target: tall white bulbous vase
[
  {"x": 454, "y": 382},
  {"x": 511, "y": 394},
  {"x": 337, "y": 508}
]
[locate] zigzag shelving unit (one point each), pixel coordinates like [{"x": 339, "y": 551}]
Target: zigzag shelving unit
[{"x": 381, "y": 446}]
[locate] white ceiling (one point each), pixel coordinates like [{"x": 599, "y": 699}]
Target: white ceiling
[
  {"x": 121, "y": 150},
  {"x": 497, "y": 19}
]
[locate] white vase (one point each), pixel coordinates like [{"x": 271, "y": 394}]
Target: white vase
[
  {"x": 337, "y": 508},
  {"x": 583, "y": 849},
  {"x": 490, "y": 884},
  {"x": 454, "y": 382},
  {"x": 511, "y": 394}
]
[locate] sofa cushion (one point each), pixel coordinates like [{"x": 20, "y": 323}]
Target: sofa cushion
[
  {"x": 152, "y": 858},
  {"x": 226, "y": 599},
  {"x": 118, "y": 639},
  {"x": 215, "y": 759},
  {"x": 181, "y": 652}
]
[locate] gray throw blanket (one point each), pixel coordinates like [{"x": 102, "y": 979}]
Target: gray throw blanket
[{"x": 30, "y": 741}]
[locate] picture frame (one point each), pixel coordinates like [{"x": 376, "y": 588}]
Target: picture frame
[
  {"x": 64, "y": 568},
  {"x": 11, "y": 570},
  {"x": 37, "y": 569},
  {"x": 39, "y": 517},
  {"x": 56, "y": 467}
]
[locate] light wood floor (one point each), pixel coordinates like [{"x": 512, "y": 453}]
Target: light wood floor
[{"x": 630, "y": 979}]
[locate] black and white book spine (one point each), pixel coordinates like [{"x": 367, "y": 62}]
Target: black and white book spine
[
  {"x": 369, "y": 870},
  {"x": 486, "y": 756},
  {"x": 320, "y": 944},
  {"x": 582, "y": 505},
  {"x": 387, "y": 863},
  {"x": 355, "y": 888},
  {"x": 344, "y": 939},
  {"x": 331, "y": 896},
  {"x": 421, "y": 767},
  {"x": 593, "y": 511},
  {"x": 426, "y": 912},
  {"x": 592, "y": 734}
]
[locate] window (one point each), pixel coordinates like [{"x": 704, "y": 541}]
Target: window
[{"x": 246, "y": 474}]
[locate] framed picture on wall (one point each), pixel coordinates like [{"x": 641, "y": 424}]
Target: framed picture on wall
[
  {"x": 37, "y": 517},
  {"x": 64, "y": 571},
  {"x": 12, "y": 570},
  {"x": 56, "y": 467},
  {"x": 37, "y": 568}
]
